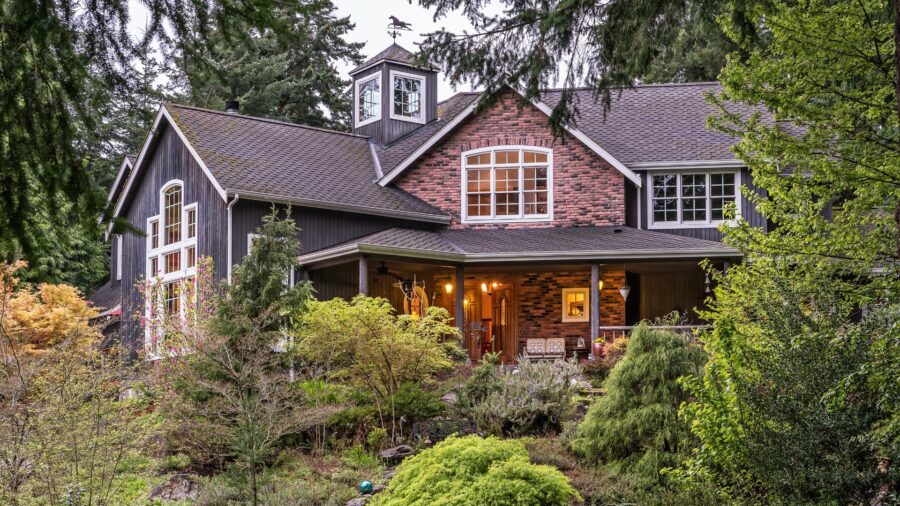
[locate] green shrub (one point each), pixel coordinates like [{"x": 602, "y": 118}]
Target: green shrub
[
  {"x": 474, "y": 471},
  {"x": 376, "y": 438},
  {"x": 536, "y": 398},
  {"x": 635, "y": 427},
  {"x": 484, "y": 380},
  {"x": 358, "y": 458},
  {"x": 414, "y": 403}
]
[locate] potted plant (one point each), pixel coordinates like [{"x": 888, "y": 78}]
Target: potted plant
[{"x": 598, "y": 345}]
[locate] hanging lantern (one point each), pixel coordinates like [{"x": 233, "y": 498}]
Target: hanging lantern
[
  {"x": 448, "y": 287},
  {"x": 625, "y": 290}
]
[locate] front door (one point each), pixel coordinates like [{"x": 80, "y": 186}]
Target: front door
[{"x": 490, "y": 321}]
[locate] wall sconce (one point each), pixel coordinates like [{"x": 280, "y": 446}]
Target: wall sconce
[
  {"x": 625, "y": 290},
  {"x": 448, "y": 288},
  {"x": 495, "y": 284},
  {"x": 600, "y": 285},
  {"x": 484, "y": 287},
  {"x": 706, "y": 282}
]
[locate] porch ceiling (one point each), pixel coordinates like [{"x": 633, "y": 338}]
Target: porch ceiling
[{"x": 481, "y": 246}]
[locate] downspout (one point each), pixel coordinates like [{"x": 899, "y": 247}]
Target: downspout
[
  {"x": 228, "y": 253},
  {"x": 640, "y": 203}
]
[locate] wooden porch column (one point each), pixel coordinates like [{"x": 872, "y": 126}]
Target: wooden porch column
[
  {"x": 460, "y": 299},
  {"x": 363, "y": 275},
  {"x": 595, "y": 306}
]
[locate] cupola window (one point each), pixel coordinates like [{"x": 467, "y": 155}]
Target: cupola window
[
  {"x": 368, "y": 99},
  {"x": 407, "y": 99}
]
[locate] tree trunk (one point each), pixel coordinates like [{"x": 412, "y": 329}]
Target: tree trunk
[{"x": 253, "y": 483}]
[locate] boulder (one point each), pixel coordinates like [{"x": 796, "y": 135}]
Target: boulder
[
  {"x": 397, "y": 453},
  {"x": 450, "y": 399},
  {"x": 359, "y": 501},
  {"x": 180, "y": 487}
]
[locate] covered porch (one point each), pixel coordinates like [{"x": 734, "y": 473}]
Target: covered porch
[{"x": 500, "y": 304}]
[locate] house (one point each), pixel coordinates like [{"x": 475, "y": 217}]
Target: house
[{"x": 518, "y": 233}]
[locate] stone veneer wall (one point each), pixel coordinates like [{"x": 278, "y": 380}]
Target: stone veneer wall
[
  {"x": 587, "y": 191},
  {"x": 540, "y": 305}
]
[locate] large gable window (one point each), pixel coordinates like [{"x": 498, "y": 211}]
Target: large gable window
[
  {"x": 407, "y": 97},
  {"x": 507, "y": 184},
  {"x": 692, "y": 199},
  {"x": 171, "y": 262},
  {"x": 368, "y": 99}
]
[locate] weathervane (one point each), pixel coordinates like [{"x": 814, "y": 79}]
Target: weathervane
[{"x": 396, "y": 26}]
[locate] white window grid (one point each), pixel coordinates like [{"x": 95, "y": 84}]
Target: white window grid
[
  {"x": 409, "y": 99},
  {"x": 156, "y": 269},
  {"x": 510, "y": 183},
  {"x": 367, "y": 99},
  {"x": 681, "y": 188}
]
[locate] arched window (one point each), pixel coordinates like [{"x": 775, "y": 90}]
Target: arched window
[
  {"x": 171, "y": 262},
  {"x": 507, "y": 183}
]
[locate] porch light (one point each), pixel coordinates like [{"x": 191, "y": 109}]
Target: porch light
[
  {"x": 448, "y": 288},
  {"x": 625, "y": 290},
  {"x": 484, "y": 287},
  {"x": 600, "y": 285},
  {"x": 494, "y": 284}
]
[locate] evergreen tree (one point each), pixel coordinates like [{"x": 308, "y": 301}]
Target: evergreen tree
[
  {"x": 288, "y": 76},
  {"x": 60, "y": 61},
  {"x": 635, "y": 427},
  {"x": 602, "y": 45},
  {"x": 234, "y": 399}
]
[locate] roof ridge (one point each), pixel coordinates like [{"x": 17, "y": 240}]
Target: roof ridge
[
  {"x": 639, "y": 85},
  {"x": 265, "y": 120}
]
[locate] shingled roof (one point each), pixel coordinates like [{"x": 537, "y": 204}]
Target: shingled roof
[
  {"x": 393, "y": 53},
  {"x": 653, "y": 123},
  {"x": 260, "y": 158},
  {"x": 542, "y": 244}
]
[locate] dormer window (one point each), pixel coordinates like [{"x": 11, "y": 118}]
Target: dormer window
[
  {"x": 407, "y": 97},
  {"x": 368, "y": 99}
]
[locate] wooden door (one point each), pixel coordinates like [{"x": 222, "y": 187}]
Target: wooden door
[{"x": 504, "y": 327}]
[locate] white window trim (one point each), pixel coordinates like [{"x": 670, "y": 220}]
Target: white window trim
[
  {"x": 160, "y": 278},
  {"x": 119, "y": 243},
  {"x": 709, "y": 222},
  {"x": 361, "y": 81},
  {"x": 422, "y": 98},
  {"x": 587, "y": 305},
  {"x": 464, "y": 207}
]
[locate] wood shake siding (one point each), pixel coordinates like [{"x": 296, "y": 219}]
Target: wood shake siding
[
  {"x": 170, "y": 159},
  {"x": 586, "y": 189}
]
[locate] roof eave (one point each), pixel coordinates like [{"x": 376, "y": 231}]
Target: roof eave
[
  {"x": 388, "y": 60},
  {"x": 470, "y": 258},
  {"x": 337, "y": 206}
]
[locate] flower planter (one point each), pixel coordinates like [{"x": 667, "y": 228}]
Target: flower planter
[{"x": 598, "y": 350}]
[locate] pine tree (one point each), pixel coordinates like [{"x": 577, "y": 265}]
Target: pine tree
[
  {"x": 287, "y": 76},
  {"x": 635, "y": 427}
]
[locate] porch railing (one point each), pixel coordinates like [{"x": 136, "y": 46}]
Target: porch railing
[{"x": 613, "y": 332}]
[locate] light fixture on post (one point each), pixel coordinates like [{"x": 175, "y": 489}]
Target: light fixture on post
[
  {"x": 600, "y": 285},
  {"x": 625, "y": 290},
  {"x": 484, "y": 288}
]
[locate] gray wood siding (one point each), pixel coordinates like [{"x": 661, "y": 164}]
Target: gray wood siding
[
  {"x": 336, "y": 281},
  {"x": 169, "y": 159},
  {"x": 319, "y": 228},
  {"x": 388, "y": 130},
  {"x": 748, "y": 211}
]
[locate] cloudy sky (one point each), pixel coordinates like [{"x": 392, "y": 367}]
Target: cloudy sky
[{"x": 371, "y": 19}]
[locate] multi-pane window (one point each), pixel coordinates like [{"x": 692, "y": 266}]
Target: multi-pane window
[
  {"x": 407, "y": 98},
  {"x": 368, "y": 99},
  {"x": 172, "y": 215},
  {"x": 507, "y": 184},
  {"x": 691, "y": 199},
  {"x": 191, "y": 222},
  {"x": 154, "y": 234},
  {"x": 171, "y": 262}
]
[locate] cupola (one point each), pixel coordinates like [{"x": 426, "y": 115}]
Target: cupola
[{"x": 391, "y": 96}]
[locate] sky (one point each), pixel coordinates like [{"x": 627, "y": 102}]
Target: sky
[{"x": 371, "y": 19}]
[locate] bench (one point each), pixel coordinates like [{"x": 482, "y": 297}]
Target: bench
[{"x": 550, "y": 348}]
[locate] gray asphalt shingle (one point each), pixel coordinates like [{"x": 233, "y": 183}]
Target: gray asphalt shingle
[{"x": 283, "y": 160}]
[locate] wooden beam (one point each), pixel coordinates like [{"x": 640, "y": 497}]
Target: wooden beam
[
  {"x": 363, "y": 275},
  {"x": 595, "y": 303},
  {"x": 459, "y": 308}
]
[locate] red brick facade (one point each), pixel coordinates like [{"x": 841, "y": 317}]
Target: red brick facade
[
  {"x": 587, "y": 191},
  {"x": 539, "y": 308}
]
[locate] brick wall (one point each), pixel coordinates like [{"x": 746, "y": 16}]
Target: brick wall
[
  {"x": 540, "y": 305},
  {"x": 586, "y": 190}
]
